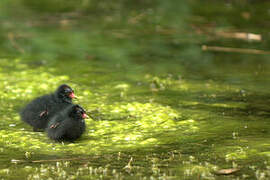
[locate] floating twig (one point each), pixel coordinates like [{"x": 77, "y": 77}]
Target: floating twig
[
  {"x": 227, "y": 171},
  {"x": 237, "y": 50},
  {"x": 240, "y": 35},
  {"x": 46, "y": 160},
  {"x": 128, "y": 167}
]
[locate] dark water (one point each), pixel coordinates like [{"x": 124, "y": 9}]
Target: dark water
[{"x": 160, "y": 106}]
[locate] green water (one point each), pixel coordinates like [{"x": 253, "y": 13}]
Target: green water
[{"x": 159, "y": 106}]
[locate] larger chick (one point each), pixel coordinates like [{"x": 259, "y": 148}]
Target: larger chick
[
  {"x": 68, "y": 125},
  {"x": 38, "y": 112}
]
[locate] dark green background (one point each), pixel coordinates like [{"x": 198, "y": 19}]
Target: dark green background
[{"x": 155, "y": 98}]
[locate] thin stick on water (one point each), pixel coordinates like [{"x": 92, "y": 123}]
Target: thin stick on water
[
  {"x": 237, "y": 50},
  {"x": 47, "y": 160}
]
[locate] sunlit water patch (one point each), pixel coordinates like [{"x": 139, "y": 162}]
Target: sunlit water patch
[{"x": 119, "y": 126}]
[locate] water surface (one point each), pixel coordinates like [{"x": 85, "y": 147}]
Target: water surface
[{"x": 160, "y": 107}]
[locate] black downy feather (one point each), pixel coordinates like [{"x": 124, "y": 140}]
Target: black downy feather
[
  {"x": 67, "y": 125},
  {"x": 38, "y": 112}
]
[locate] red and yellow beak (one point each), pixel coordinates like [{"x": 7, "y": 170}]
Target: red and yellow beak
[
  {"x": 84, "y": 116},
  {"x": 72, "y": 95}
]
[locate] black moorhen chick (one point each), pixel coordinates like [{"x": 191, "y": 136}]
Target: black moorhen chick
[
  {"x": 38, "y": 112},
  {"x": 67, "y": 125}
]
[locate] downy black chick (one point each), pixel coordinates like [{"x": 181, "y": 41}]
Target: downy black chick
[
  {"x": 67, "y": 125},
  {"x": 38, "y": 112}
]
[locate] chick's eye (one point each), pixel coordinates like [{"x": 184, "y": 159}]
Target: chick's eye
[{"x": 67, "y": 90}]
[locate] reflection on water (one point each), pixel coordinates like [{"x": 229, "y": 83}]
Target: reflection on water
[{"x": 160, "y": 107}]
